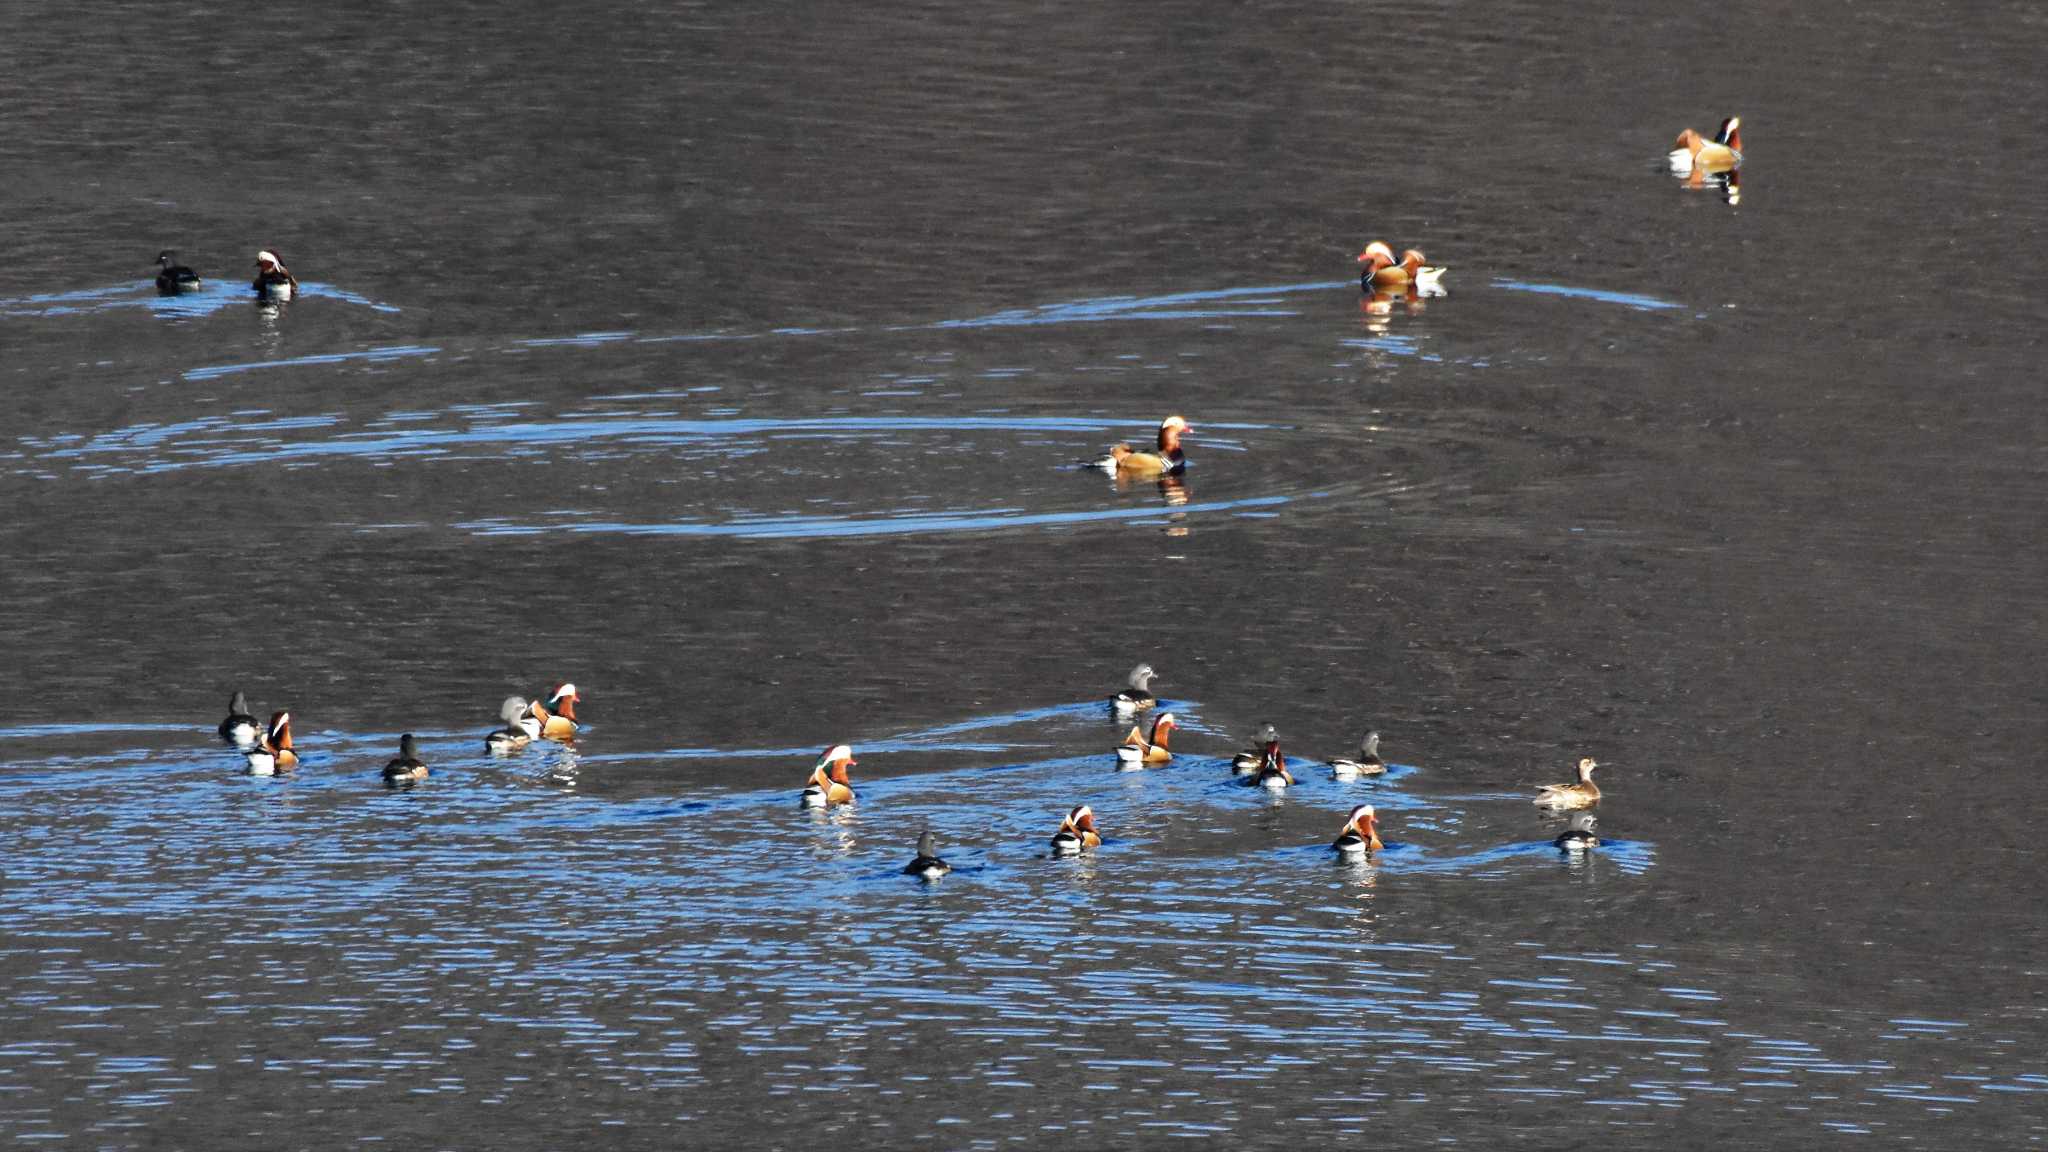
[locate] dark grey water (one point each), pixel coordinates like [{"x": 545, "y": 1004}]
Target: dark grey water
[{"x": 727, "y": 361}]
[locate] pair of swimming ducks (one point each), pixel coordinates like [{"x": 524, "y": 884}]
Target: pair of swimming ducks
[
  {"x": 1263, "y": 761},
  {"x": 273, "y": 281},
  {"x": 268, "y": 747}
]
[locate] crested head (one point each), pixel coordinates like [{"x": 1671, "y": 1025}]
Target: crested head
[
  {"x": 1729, "y": 129},
  {"x": 279, "y": 723},
  {"x": 841, "y": 754},
  {"x": 1412, "y": 259},
  {"x": 563, "y": 691},
  {"x": 1081, "y": 819},
  {"x": 1364, "y": 812},
  {"x": 1174, "y": 422},
  {"x": 512, "y": 709},
  {"x": 1268, "y": 734},
  {"x": 1586, "y": 766},
  {"x": 1375, "y": 252},
  {"x": 1165, "y": 720},
  {"x": 1371, "y": 743},
  {"x": 267, "y": 259},
  {"x": 927, "y": 844},
  {"x": 1142, "y": 676}
]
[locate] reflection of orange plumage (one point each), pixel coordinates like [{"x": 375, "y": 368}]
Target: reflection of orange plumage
[
  {"x": 558, "y": 716},
  {"x": 1136, "y": 749}
]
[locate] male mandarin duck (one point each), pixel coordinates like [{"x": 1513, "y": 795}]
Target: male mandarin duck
[
  {"x": 1721, "y": 153},
  {"x": 1076, "y": 832},
  {"x": 1386, "y": 274},
  {"x": 1124, "y": 460},
  {"x": 829, "y": 784},
  {"x": 558, "y": 716},
  {"x": 273, "y": 753},
  {"x": 1367, "y": 764},
  {"x": 1361, "y": 834},
  {"x": 240, "y": 728},
  {"x": 1273, "y": 773},
  {"x": 408, "y": 767},
  {"x": 1583, "y": 794},
  {"x": 1138, "y": 696},
  {"x": 1247, "y": 762},
  {"x": 1137, "y": 751},
  {"x": 274, "y": 282},
  {"x": 521, "y": 727}
]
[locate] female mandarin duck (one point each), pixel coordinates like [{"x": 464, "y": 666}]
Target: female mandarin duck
[
  {"x": 1385, "y": 274},
  {"x": 240, "y": 729},
  {"x": 1124, "y": 460},
  {"x": 1721, "y": 153},
  {"x": 927, "y": 866},
  {"x": 1583, "y": 794},
  {"x": 521, "y": 727},
  {"x": 1076, "y": 832},
  {"x": 558, "y": 716},
  {"x": 1247, "y": 762},
  {"x": 1136, "y": 751},
  {"x": 173, "y": 277},
  {"x": 274, "y": 282},
  {"x": 1361, "y": 834},
  {"x": 1367, "y": 764},
  {"x": 408, "y": 767},
  {"x": 1578, "y": 835},
  {"x": 829, "y": 784},
  {"x": 1138, "y": 696}
]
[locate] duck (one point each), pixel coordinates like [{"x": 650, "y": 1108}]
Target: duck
[
  {"x": 1247, "y": 762},
  {"x": 1137, "y": 751},
  {"x": 1361, "y": 834},
  {"x": 927, "y": 866},
  {"x": 274, "y": 753},
  {"x": 274, "y": 282},
  {"x": 558, "y": 716},
  {"x": 1386, "y": 274},
  {"x": 521, "y": 727},
  {"x": 1724, "y": 151},
  {"x": 1583, "y": 794},
  {"x": 173, "y": 277},
  {"x": 408, "y": 767},
  {"x": 1577, "y": 837},
  {"x": 240, "y": 728},
  {"x": 829, "y": 784},
  {"x": 1367, "y": 764},
  {"x": 1273, "y": 773},
  {"x": 1124, "y": 460},
  {"x": 1138, "y": 696},
  {"x": 1076, "y": 832}
]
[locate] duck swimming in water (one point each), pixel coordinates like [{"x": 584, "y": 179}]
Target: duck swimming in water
[
  {"x": 927, "y": 866},
  {"x": 829, "y": 784},
  {"x": 274, "y": 282},
  {"x": 1124, "y": 460},
  {"x": 1694, "y": 152},
  {"x": 1583, "y": 794},
  {"x": 1367, "y": 764},
  {"x": 1076, "y": 832},
  {"x": 1273, "y": 773},
  {"x": 1361, "y": 834},
  {"x": 1385, "y": 274},
  {"x": 1138, "y": 752},
  {"x": 408, "y": 768},
  {"x": 173, "y": 277},
  {"x": 1247, "y": 762},
  {"x": 240, "y": 728},
  {"x": 558, "y": 716},
  {"x": 1138, "y": 696},
  {"x": 274, "y": 753},
  {"x": 1577, "y": 838},
  {"x": 521, "y": 727}
]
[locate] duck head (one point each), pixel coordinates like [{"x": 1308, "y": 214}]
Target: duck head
[
  {"x": 1378, "y": 255},
  {"x": 927, "y": 844},
  {"x": 1161, "y": 726},
  {"x": 1365, "y": 823},
  {"x": 408, "y": 748},
  {"x": 832, "y": 765},
  {"x": 1081, "y": 822},
  {"x": 1411, "y": 260},
  {"x": 1730, "y": 133},
  {"x": 1586, "y": 766},
  {"x": 280, "y": 735},
  {"x": 166, "y": 258},
  {"x": 1371, "y": 744},
  {"x": 1171, "y": 430},
  {"x": 267, "y": 261},
  {"x": 562, "y": 701},
  {"x": 1142, "y": 676}
]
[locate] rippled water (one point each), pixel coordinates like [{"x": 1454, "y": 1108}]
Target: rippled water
[{"x": 735, "y": 364}]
